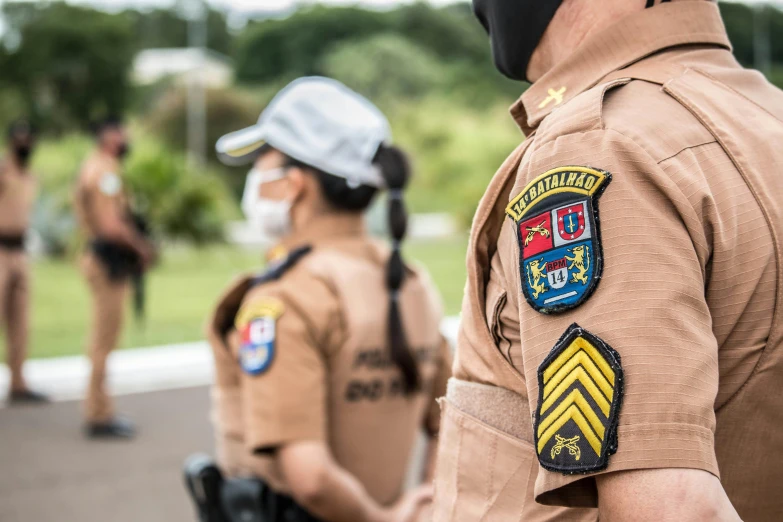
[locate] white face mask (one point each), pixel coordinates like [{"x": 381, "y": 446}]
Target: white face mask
[{"x": 270, "y": 216}]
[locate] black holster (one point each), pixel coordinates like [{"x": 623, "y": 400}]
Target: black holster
[
  {"x": 237, "y": 499},
  {"x": 121, "y": 262},
  {"x": 204, "y": 482}
]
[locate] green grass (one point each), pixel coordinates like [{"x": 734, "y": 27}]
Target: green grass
[{"x": 181, "y": 293}]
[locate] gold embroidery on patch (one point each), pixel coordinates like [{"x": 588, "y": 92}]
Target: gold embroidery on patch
[
  {"x": 555, "y": 96},
  {"x": 264, "y": 307},
  {"x": 535, "y": 272},
  {"x": 577, "y": 180},
  {"x": 581, "y": 261},
  {"x": 570, "y": 444},
  {"x": 532, "y": 231},
  {"x": 584, "y": 364}
]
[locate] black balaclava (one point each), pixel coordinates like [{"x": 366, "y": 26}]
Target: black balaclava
[
  {"x": 22, "y": 153},
  {"x": 515, "y": 29},
  {"x": 123, "y": 149}
]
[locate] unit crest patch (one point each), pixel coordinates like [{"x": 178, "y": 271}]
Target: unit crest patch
[
  {"x": 110, "y": 184},
  {"x": 556, "y": 217},
  {"x": 256, "y": 323},
  {"x": 580, "y": 388}
]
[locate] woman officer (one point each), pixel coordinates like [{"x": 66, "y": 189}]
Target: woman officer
[{"x": 328, "y": 364}]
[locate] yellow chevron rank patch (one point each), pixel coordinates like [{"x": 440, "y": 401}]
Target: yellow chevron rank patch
[{"x": 580, "y": 388}]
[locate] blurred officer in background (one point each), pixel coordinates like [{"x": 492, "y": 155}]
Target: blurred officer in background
[
  {"x": 328, "y": 364},
  {"x": 117, "y": 250},
  {"x": 17, "y": 194},
  {"x": 634, "y": 362}
]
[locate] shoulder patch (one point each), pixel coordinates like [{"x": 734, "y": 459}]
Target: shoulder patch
[
  {"x": 110, "y": 184},
  {"x": 560, "y": 257},
  {"x": 256, "y": 323},
  {"x": 580, "y": 390}
]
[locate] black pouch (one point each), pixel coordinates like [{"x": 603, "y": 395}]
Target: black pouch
[
  {"x": 251, "y": 500},
  {"x": 244, "y": 500}
]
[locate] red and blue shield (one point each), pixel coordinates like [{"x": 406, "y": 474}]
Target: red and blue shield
[{"x": 559, "y": 240}]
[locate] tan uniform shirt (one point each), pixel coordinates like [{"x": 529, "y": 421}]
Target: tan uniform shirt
[
  {"x": 17, "y": 195},
  {"x": 326, "y": 372},
  {"x": 676, "y": 361},
  {"x": 100, "y": 191}
]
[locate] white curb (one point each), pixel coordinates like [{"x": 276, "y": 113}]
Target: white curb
[{"x": 139, "y": 370}]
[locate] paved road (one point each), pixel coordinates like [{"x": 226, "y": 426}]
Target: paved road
[{"x": 51, "y": 473}]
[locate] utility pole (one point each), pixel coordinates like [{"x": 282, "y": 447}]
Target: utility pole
[{"x": 196, "y": 89}]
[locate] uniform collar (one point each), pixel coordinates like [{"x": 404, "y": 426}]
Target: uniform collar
[
  {"x": 627, "y": 41},
  {"x": 324, "y": 229}
]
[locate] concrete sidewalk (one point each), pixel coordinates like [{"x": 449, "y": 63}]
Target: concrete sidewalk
[{"x": 52, "y": 473}]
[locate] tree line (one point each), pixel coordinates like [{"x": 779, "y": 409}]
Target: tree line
[{"x": 68, "y": 65}]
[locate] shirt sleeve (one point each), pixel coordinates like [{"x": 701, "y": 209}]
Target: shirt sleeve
[
  {"x": 285, "y": 401},
  {"x": 648, "y": 306}
]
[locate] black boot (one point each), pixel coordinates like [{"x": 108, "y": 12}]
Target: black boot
[
  {"x": 22, "y": 397},
  {"x": 116, "y": 428}
]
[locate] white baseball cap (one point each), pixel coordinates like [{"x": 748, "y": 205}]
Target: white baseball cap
[{"x": 320, "y": 122}]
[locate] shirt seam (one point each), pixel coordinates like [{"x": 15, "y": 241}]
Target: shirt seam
[{"x": 684, "y": 149}]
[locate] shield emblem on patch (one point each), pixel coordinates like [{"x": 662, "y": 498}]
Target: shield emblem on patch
[
  {"x": 257, "y": 345},
  {"x": 559, "y": 239}
]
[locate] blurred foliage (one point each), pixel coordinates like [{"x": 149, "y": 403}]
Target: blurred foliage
[
  {"x": 302, "y": 44},
  {"x": 68, "y": 63},
  {"x": 182, "y": 204},
  {"x": 227, "y": 110},
  {"x": 386, "y": 67},
  {"x": 455, "y": 153}
]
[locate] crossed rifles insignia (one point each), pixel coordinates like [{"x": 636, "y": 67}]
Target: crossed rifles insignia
[
  {"x": 580, "y": 390},
  {"x": 532, "y": 231}
]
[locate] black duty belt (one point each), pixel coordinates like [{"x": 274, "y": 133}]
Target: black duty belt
[
  {"x": 120, "y": 261},
  {"x": 12, "y": 242}
]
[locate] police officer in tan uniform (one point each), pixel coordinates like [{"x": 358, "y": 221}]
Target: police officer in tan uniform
[
  {"x": 17, "y": 195},
  {"x": 116, "y": 250},
  {"x": 328, "y": 365},
  {"x": 620, "y": 355}
]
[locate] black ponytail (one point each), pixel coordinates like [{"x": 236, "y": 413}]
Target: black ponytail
[{"x": 395, "y": 168}]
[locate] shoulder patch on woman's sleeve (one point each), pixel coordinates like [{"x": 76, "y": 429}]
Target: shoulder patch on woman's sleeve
[
  {"x": 560, "y": 257},
  {"x": 256, "y": 324},
  {"x": 580, "y": 390}
]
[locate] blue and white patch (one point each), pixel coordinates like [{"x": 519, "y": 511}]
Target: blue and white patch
[
  {"x": 257, "y": 324},
  {"x": 556, "y": 217}
]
